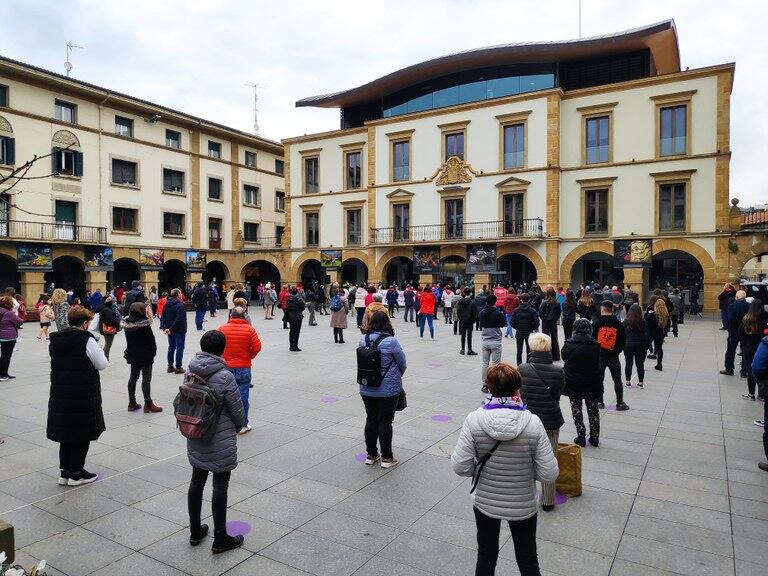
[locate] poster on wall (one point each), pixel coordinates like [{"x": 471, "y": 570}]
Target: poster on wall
[
  {"x": 481, "y": 258},
  {"x": 426, "y": 260},
  {"x": 151, "y": 259},
  {"x": 330, "y": 259},
  {"x": 195, "y": 260},
  {"x": 633, "y": 253},
  {"x": 99, "y": 258},
  {"x": 38, "y": 257}
]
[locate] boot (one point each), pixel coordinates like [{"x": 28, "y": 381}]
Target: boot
[
  {"x": 133, "y": 406},
  {"x": 151, "y": 407},
  {"x": 227, "y": 543}
]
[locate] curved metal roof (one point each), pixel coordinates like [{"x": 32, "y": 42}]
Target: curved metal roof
[{"x": 660, "y": 38}]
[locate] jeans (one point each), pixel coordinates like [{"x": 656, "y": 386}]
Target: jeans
[
  {"x": 6, "y": 350},
  {"x": 218, "y": 503},
  {"x": 199, "y": 317},
  {"x": 311, "y": 309},
  {"x": 491, "y": 355},
  {"x": 568, "y": 328},
  {"x": 391, "y": 309},
  {"x": 409, "y": 310},
  {"x": 293, "y": 334},
  {"x": 510, "y": 332},
  {"x": 243, "y": 379},
  {"x": 593, "y": 414},
  {"x": 523, "y": 537},
  {"x": 448, "y": 314},
  {"x": 636, "y": 355},
  {"x": 520, "y": 340},
  {"x": 146, "y": 380},
  {"x": 724, "y": 318},
  {"x": 360, "y": 314},
  {"x": 426, "y": 319},
  {"x": 379, "y": 414},
  {"x": 466, "y": 334},
  {"x": 108, "y": 339},
  {"x": 175, "y": 344},
  {"x": 72, "y": 456},
  {"x": 614, "y": 367},
  {"x": 730, "y": 350}
]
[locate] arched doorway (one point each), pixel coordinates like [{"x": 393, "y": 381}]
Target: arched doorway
[
  {"x": 399, "y": 271},
  {"x": 596, "y": 267},
  {"x": 354, "y": 271},
  {"x": 516, "y": 268},
  {"x": 676, "y": 268},
  {"x": 68, "y": 272},
  {"x": 755, "y": 269},
  {"x": 215, "y": 271},
  {"x": 126, "y": 271},
  {"x": 173, "y": 275},
  {"x": 261, "y": 272},
  {"x": 453, "y": 271},
  {"x": 9, "y": 274},
  {"x": 312, "y": 271}
]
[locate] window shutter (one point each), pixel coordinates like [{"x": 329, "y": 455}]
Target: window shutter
[
  {"x": 10, "y": 151},
  {"x": 78, "y": 163},
  {"x": 56, "y": 160}
]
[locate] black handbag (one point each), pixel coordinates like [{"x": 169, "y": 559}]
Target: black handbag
[{"x": 402, "y": 401}]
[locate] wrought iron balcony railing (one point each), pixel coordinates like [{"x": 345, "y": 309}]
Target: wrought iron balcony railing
[
  {"x": 53, "y": 231},
  {"x": 468, "y": 231},
  {"x": 263, "y": 243}
]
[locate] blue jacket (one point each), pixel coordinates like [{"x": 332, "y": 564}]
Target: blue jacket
[
  {"x": 174, "y": 317},
  {"x": 736, "y": 312},
  {"x": 760, "y": 361},
  {"x": 392, "y": 297},
  {"x": 96, "y": 299},
  {"x": 391, "y": 351}
]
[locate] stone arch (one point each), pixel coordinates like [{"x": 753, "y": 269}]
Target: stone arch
[
  {"x": 581, "y": 250},
  {"x": 704, "y": 258},
  {"x": 5, "y": 126},
  {"x": 244, "y": 259},
  {"x": 528, "y": 252},
  {"x": 386, "y": 258},
  {"x": 744, "y": 256},
  {"x": 364, "y": 257},
  {"x": 453, "y": 250},
  {"x": 295, "y": 275},
  {"x": 66, "y": 138}
]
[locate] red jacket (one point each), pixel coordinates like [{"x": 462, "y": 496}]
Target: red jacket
[
  {"x": 283, "y": 298},
  {"x": 501, "y": 296},
  {"x": 427, "y": 303},
  {"x": 368, "y": 299},
  {"x": 160, "y": 305},
  {"x": 511, "y": 302},
  {"x": 242, "y": 343}
]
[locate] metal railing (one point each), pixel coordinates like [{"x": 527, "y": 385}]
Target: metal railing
[
  {"x": 54, "y": 231},
  {"x": 262, "y": 243},
  {"x": 492, "y": 230}
]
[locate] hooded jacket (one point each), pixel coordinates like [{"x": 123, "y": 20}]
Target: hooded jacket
[
  {"x": 9, "y": 325},
  {"x": 243, "y": 343},
  {"x": 581, "y": 367},
  {"x": 391, "y": 354},
  {"x": 428, "y": 302},
  {"x": 294, "y": 308},
  {"x": 543, "y": 383},
  {"x": 466, "y": 311},
  {"x": 140, "y": 342},
  {"x": 524, "y": 320},
  {"x": 491, "y": 322},
  {"x": 610, "y": 334},
  {"x": 506, "y": 488}
]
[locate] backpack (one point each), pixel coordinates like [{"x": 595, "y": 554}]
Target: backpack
[
  {"x": 369, "y": 362},
  {"x": 196, "y": 408},
  {"x": 336, "y": 304}
]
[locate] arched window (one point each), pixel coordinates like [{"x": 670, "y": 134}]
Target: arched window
[
  {"x": 67, "y": 159},
  {"x": 7, "y": 143}
]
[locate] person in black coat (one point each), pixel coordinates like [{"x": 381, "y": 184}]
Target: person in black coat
[
  {"x": 109, "y": 322},
  {"x": 736, "y": 312},
  {"x": 549, "y": 312},
  {"x": 480, "y": 299},
  {"x": 583, "y": 380},
  {"x": 524, "y": 320},
  {"x": 636, "y": 344},
  {"x": 75, "y": 416},
  {"x": 543, "y": 383},
  {"x": 466, "y": 312},
  {"x": 173, "y": 322},
  {"x": 200, "y": 301},
  {"x": 140, "y": 354},
  {"x": 294, "y": 311},
  {"x": 610, "y": 334},
  {"x": 569, "y": 314}
]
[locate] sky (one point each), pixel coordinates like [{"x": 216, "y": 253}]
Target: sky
[{"x": 197, "y": 56}]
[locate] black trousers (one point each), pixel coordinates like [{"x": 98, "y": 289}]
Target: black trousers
[
  {"x": 465, "y": 329},
  {"x": 6, "y": 351},
  {"x": 218, "y": 503},
  {"x": 72, "y": 456},
  {"x": 379, "y": 412},
  {"x": 614, "y": 367},
  {"x": 550, "y": 329},
  {"x": 673, "y": 318},
  {"x": 636, "y": 355},
  {"x": 293, "y": 334},
  {"x": 568, "y": 328},
  {"x": 523, "y": 538},
  {"x": 338, "y": 334},
  {"x": 658, "y": 348},
  {"x": 146, "y": 382},
  {"x": 391, "y": 308},
  {"x": 520, "y": 341}
]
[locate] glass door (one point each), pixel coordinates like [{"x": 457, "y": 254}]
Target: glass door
[
  {"x": 454, "y": 219},
  {"x": 513, "y": 215},
  {"x": 401, "y": 221},
  {"x": 66, "y": 220}
]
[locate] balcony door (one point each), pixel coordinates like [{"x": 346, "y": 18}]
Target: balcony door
[
  {"x": 5, "y": 213},
  {"x": 66, "y": 220},
  {"x": 402, "y": 223},
  {"x": 214, "y": 233},
  {"x": 454, "y": 218},
  {"x": 513, "y": 214}
]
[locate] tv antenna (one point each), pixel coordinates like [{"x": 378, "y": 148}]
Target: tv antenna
[
  {"x": 68, "y": 65},
  {"x": 255, "y": 106},
  {"x": 579, "y": 19}
]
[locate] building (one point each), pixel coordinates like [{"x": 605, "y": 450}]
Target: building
[
  {"x": 546, "y": 153},
  {"x": 176, "y": 197}
]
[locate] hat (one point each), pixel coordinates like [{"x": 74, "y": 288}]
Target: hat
[{"x": 582, "y": 326}]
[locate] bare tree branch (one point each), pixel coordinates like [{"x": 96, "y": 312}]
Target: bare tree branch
[{"x": 24, "y": 168}]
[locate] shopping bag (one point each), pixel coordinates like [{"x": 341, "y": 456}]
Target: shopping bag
[{"x": 569, "y": 461}]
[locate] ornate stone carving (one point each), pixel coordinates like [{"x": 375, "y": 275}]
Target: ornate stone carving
[
  {"x": 239, "y": 240},
  {"x": 66, "y": 138},
  {"x": 5, "y": 126},
  {"x": 454, "y": 171}
]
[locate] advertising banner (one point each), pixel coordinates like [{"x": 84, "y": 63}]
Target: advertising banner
[
  {"x": 330, "y": 259},
  {"x": 632, "y": 253},
  {"x": 426, "y": 260},
  {"x": 195, "y": 260},
  {"x": 37, "y": 257},
  {"x": 151, "y": 259},
  {"x": 99, "y": 258},
  {"x": 481, "y": 258}
]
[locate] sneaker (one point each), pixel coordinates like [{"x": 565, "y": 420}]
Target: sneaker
[
  {"x": 471, "y": 353},
  {"x": 580, "y": 440},
  {"x": 82, "y": 477},
  {"x": 628, "y": 384},
  {"x": 421, "y": 337},
  {"x": 11, "y": 377},
  {"x": 461, "y": 352},
  {"x": 389, "y": 462},
  {"x": 230, "y": 543},
  {"x": 748, "y": 396},
  {"x": 63, "y": 478},
  {"x": 726, "y": 372},
  {"x": 370, "y": 460},
  {"x": 622, "y": 406},
  {"x": 763, "y": 466},
  {"x": 195, "y": 540},
  {"x": 4, "y": 378},
  {"x": 639, "y": 384},
  {"x": 760, "y": 423},
  {"x": 245, "y": 429},
  {"x": 651, "y": 356},
  {"x": 594, "y": 441},
  {"x": 658, "y": 367}
]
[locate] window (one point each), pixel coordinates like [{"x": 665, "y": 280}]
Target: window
[
  {"x": 313, "y": 228},
  {"x": 596, "y": 215},
  {"x": 214, "y": 189},
  {"x": 354, "y": 227},
  {"x": 250, "y": 159},
  {"x": 597, "y": 139},
  {"x": 672, "y": 207},
  {"x": 123, "y": 126},
  {"x": 173, "y": 181},
  {"x": 513, "y": 211},
  {"x": 454, "y": 145},
  {"x": 353, "y": 170},
  {"x": 125, "y": 219},
  {"x": 279, "y": 200},
  {"x": 5, "y": 214},
  {"x": 173, "y": 139},
  {"x": 214, "y": 149},
  {"x": 279, "y": 166},
  {"x": 251, "y": 195},
  {"x": 454, "y": 218},
  {"x": 279, "y": 235},
  {"x": 401, "y": 161},
  {"x": 65, "y": 111},
  {"x": 514, "y": 146},
  {"x": 67, "y": 162},
  {"x": 250, "y": 232},
  {"x": 3, "y": 96},
  {"x": 124, "y": 172},
  {"x": 672, "y": 130},
  {"x": 311, "y": 175},
  {"x": 401, "y": 221},
  {"x": 214, "y": 233},
  {"x": 66, "y": 220},
  {"x": 173, "y": 224},
  {"x": 7, "y": 150}
]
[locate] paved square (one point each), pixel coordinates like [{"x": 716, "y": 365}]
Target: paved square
[{"x": 672, "y": 489}]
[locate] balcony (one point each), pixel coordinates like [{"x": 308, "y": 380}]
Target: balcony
[
  {"x": 265, "y": 243},
  {"x": 52, "y": 231},
  {"x": 467, "y": 232}
]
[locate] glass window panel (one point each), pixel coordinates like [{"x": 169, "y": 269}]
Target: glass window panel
[
  {"x": 313, "y": 229},
  {"x": 596, "y": 205},
  {"x": 513, "y": 214},
  {"x": 420, "y": 103},
  {"x": 354, "y": 229},
  {"x": 454, "y": 218},
  {"x": 454, "y": 145},
  {"x": 400, "y": 161},
  {"x": 672, "y": 130},
  {"x": 597, "y": 139},
  {"x": 354, "y": 170},
  {"x": 536, "y": 82},
  {"x": 498, "y": 87},
  {"x": 446, "y": 97},
  {"x": 472, "y": 92},
  {"x": 311, "y": 175},
  {"x": 514, "y": 146}
]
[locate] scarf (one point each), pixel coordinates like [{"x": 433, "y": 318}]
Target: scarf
[{"x": 505, "y": 402}]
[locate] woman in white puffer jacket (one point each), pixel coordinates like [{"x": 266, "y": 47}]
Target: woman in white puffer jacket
[{"x": 518, "y": 454}]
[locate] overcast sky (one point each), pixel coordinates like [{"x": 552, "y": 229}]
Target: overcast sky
[{"x": 196, "y": 56}]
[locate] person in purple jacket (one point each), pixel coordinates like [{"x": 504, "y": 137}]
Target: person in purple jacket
[{"x": 9, "y": 332}]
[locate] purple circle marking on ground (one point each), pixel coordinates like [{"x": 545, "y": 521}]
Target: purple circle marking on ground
[
  {"x": 435, "y": 365},
  {"x": 238, "y": 528},
  {"x": 329, "y": 399},
  {"x": 560, "y": 499},
  {"x": 361, "y": 457},
  {"x": 99, "y": 476},
  {"x": 610, "y": 407},
  {"x": 2, "y": 440},
  {"x": 442, "y": 418}
]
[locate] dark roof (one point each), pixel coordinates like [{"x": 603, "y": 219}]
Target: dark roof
[
  {"x": 660, "y": 38},
  {"x": 70, "y": 83}
]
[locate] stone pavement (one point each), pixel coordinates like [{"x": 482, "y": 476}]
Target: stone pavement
[{"x": 672, "y": 489}]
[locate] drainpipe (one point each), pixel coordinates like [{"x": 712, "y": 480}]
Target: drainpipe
[{"x": 101, "y": 175}]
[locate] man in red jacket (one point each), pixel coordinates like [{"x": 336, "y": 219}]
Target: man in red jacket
[{"x": 242, "y": 346}]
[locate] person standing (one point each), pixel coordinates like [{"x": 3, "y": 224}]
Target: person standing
[
  {"x": 501, "y": 293},
  {"x": 409, "y": 300},
  {"x": 321, "y": 299},
  {"x": 657, "y": 323},
  {"x": 268, "y": 297},
  {"x": 218, "y": 455},
  {"x": 375, "y": 306},
  {"x": 282, "y": 299},
  {"x": 294, "y": 312},
  {"x": 447, "y": 299},
  {"x": 735, "y": 313},
  {"x": 491, "y": 322},
  {"x": 96, "y": 299},
  {"x": 230, "y": 298},
  {"x": 200, "y": 302},
  {"x": 140, "y": 350},
  {"x": 161, "y": 304},
  {"x": 724, "y": 299},
  {"x": 173, "y": 323},
  {"x": 760, "y": 374},
  {"x": 60, "y": 308},
  {"x": 543, "y": 383},
  {"x": 609, "y": 332},
  {"x": 243, "y": 344},
  {"x": 630, "y": 297},
  {"x": 47, "y": 315},
  {"x": 9, "y": 333},
  {"x": 506, "y": 449},
  {"x": 361, "y": 294},
  {"x": 260, "y": 294},
  {"x": 480, "y": 298},
  {"x": 339, "y": 312},
  {"x": 75, "y": 416},
  {"x": 677, "y": 305},
  {"x": 636, "y": 344},
  {"x": 586, "y": 305},
  {"x": 135, "y": 294},
  {"x": 569, "y": 308},
  {"x": 525, "y": 321},
  {"x": 109, "y": 322},
  {"x": 549, "y": 312},
  {"x": 391, "y": 300},
  {"x": 583, "y": 381},
  {"x": 311, "y": 302},
  {"x": 510, "y": 305},
  {"x": 427, "y": 306},
  {"x": 381, "y": 401},
  {"x": 466, "y": 314},
  {"x": 751, "y": 331}
]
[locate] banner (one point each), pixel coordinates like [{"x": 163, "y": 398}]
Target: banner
[
  {"x": 426, "y": 260},
  {"x": 99, "y": 258},
  {"x": 632, "y": 253},
  {"x": 195, "y": 260},
  {"x": 37, "y": 257},
  {"x": 481, "y": 258},
  {"x": 151, "y": 259},
  {"x": 330, "y": 259}
]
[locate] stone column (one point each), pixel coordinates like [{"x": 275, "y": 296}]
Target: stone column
[
  {"x": 335, "y": 276},
  {"x": 482, "y": 280},
  {"x": 149, "y": 278},
  {"x": 194, "y": 277},
  {"x": 634, "y": 277},
  {"x": 32, "y": 284},
  {"x": 96, "y": 279},
  {"x": 423, "y": 279}
]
